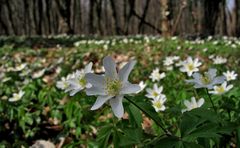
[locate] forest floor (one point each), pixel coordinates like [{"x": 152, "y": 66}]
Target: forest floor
[{"x": 35, "y": 65}]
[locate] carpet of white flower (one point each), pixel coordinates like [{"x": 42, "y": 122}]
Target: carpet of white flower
[{"x": 138, "y": 91}]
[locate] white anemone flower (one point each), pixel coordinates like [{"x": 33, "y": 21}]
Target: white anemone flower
[
  {"x": 208, "y": 80},
  {"x": 158, "y": 103},
  {"x": 190, "y": 66},
  {"x": 169, "y": 68},
  {"x": 179, "y": 63},
  {"x": 63, "y": 83},
  {"x": 193, "y": 104},
  {"x": 156, "y": 76},
  {"x": 154, "y": 93},
  {"x": 16, "y": 96},
  {"x": 170, "y": 60},
  {"x": 112, "y": 86},
  {"x": 219, "y": 60},
  {"x": 79, "y": 81},
  {"x": 142, "y": 86},
  {"x": 221, "y": 89},
  {"x": 20, "y": 67},
  {"x": 38, "y": 74},
  {"x": 230, "y": 75}
]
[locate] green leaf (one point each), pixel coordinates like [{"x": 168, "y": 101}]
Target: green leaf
[
  {"x": 116, "y": 137},
  {"x": 207, "y": 114},
  {"x": 201, "y": 123},
  {"x": 186, "y": 144},
  {"x": 131, "y": 136},
  {"x": 189, "y": 123},
  {"x": 135, "y": 114},
  {"x": 28, "y": 119},
  {"x": 205, "y": 131},
  {"x": 227, "y": 129},
  {"x": 167, "y": 142},
  {"x": 104, "y": 135},
  {"x": 238, "y": 136},
  {"x": 147, "y": 109}
]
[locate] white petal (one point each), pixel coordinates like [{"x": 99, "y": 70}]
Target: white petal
[
  {"x": 189, "y": 60},
  {"x": 200, "y": 102},
  {"x": 117, "y": 106},
  {"x": 200, "y": 86},
  {"x": 74, "y": 91},
  {"x": 190, "y": 81},
  {"x": 212, "y": 72},
  {"x": 182, "y": 69},
  {"x": 196, "y": 76},
  {"x": 155, "y": 87},
  {"x": 184, "y": 110},
  {"x": 88, "y": 68},
  {"x": 212, "y": 92},
  {"x": 149, "y": 96},
  {"x": 189, "y": 73},
  {"x": 95, "y": 80},
  {"x": 224, "y": 84},
  {"x": 12, "y": 99},
  {"x": 187, "y": 103},
  {"x": 162, "y": 108},
  {"x": 129, "y": 88},
  {"x": 219, "y": 80},
  {"x": 125, "y": 71},
  {"x": 100, "y": 101},
  {"x": 149, "y": 90},
  {"x": 110, "y": 67},
  {"x": 95, "y": 91},
  {"x": 160, "y": 89},
  {"x": 193, "y": 101},
  {"x": 229, "y": 87}
]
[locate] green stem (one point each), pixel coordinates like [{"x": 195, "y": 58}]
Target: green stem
[
  {"x": 195, "y": 92},
  {"x": 229, "y": 115},
  {"x": 211, "y": 100},
  {"x": 158, "y": 123}
]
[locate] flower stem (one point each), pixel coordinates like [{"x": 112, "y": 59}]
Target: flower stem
[
  {"x": 211, "y": 100},
  {"x": 146, "y": 113}
]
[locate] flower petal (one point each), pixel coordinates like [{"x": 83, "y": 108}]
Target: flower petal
[
  {"x": 100, "y": 101},
  {"x": 229, "y": 87},
  {"x": 187, "y": 103},
  {"x": 218, "y": 80},
  {"x": 88, "y": 68},
  {"x": 95, "y": 91},
  {"x": 212, "y": 73},
  {"x": 129, "y": 88},
  {"x": 193, "y": 101},
  {"x": 191, "y": 81},
  {"x": 74, "y": 91},
  {"x": 125, "y": 71},
  {"x": 197, "y": 76},
  {"x": 95, "y": 80},
  {"x": 200, "y": 102},
  {"x": 117, "y": 106},
  {"x": 110, "y": 67}
]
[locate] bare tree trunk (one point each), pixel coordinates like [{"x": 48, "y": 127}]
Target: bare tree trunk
[
  {"x": 210, "y": 16},
  {"x": 165, "y": 27},
  {"x": 118, "y": 17}
]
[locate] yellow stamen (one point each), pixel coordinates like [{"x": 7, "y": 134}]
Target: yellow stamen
[
  {"x": 113, "y": 87},
  {"x": 190, "y": 67},
  {"x": 220, "y": 89},
  {"x": 155, "y": 94},
  {"x": 157, "y": 104}
]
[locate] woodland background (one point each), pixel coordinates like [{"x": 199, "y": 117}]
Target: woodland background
[{"x": 120, "y": 17}]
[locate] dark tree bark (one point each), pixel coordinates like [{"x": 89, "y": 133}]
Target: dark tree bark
[
  {"x": 117, "y": 17},
  {"x": 210, "y": 16}
]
